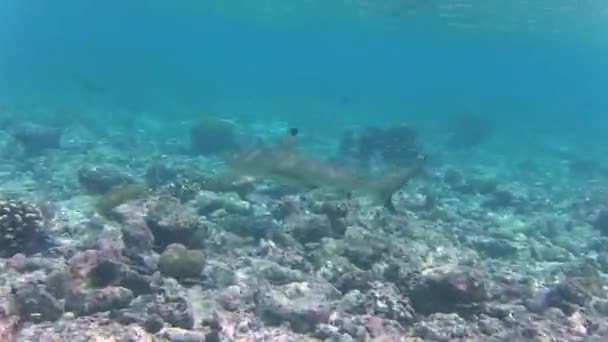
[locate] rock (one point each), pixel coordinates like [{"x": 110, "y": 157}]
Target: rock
[
  {"x": 217, "y": 274},
  {"x": 375, "y": 328},
  {"x": 359, "y": 280},
  {"x": 34, "y": 303},
  {"x": 549, "y": 252},
  {"x": 585, "y": 273},
  {"x": 444, "y": 328},
  {"x": 327, "y": 259},
  {"x": 601, "y": 306},
  {"x": 89, "y": 328},
  {"x": 444, "y": 289},
  {"x": 153, "y": 324},
  {"x": 8, "y": 328},
  {"x": 209, "y": 202},
  {"x": 99, "y": 179},
  {"x": 59, "y": 283},
  {"x": 490, "y": 326},
  {"x": 364, "y": 248},
  {"x": 257, "y": 227},
  {"x": 354, "y": 302},
  {"x": 335, "y": 210},
  {"x": 36, "y": 139},
  {"x": 302, "y": 305},
  {"x": 601, "y": 222},
  {"x": 181, "y": 335},
  {"x": 337, "y": 213},
  {"x": 233, "y": 298},
  {"x": 135, "y": 232},
  {"x": 148, "y": 309},
  {"x": 501, "y": 198},
  {"x": 567, "y": 295},
  {"x": 21, "y": 263},
  {"x": 173, "y": 222},
  {"x": 169, "y": 287},
  {"x": 179, "y": 262},
  {"x": 81, "y": 264},
  {"x": 454, "y": 178},
  {"x": 602, "y": 260},
  {"x": 309, "y": 228},
  {"x": 176, "y": 312},
  {"x": 159, "y": 174},
  {"x": 216, "y": 334},
  {"x": 286, "y": 206},
  {"x": 107, "y": 202},
  {"x": 384, "y": 300},
  {"x": 495, "y": 248},
  {"x": 328, "y": 332},
  {"x": 137, "y": 283},
  {"x": 85, "y": 302},
  {"x": 105, "y": 273},
  {"x": 275, "y": 273},
  {"x": 278, "y": 252}
]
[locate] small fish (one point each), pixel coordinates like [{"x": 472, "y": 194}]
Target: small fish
[{"x": 283, "y": 163}]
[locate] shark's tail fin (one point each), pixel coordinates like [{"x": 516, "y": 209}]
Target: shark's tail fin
[{"x": 385, "y": 188}]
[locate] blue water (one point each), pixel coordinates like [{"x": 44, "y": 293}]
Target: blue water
[
  {"x": 319, "y": 69},
  {"x": 121, "y": 124}
]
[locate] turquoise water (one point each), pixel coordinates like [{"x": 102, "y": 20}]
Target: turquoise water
[
  {"x": 451, "y": 181},
  {"x": 531, "y": 68}
]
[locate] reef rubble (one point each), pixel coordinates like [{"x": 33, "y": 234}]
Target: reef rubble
[{"x": 469, "y": 256}]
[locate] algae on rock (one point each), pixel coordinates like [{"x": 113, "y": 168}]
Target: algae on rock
[{"x": 179, "y": 262}]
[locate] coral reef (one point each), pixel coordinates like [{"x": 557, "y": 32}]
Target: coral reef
[
  {"x": 211, "y": 135},
  {"x": 179, "y": 262},
  {"x": 117, "y": 196},
  {"x": 21, "y": 227},
  {"x": 184, "y": 183},
  {"x": 395, "y": 145},
  {"x": 173, "y": 222},
  {"x": 476, "y": 252},
  {"x": 99, "y": 179}
]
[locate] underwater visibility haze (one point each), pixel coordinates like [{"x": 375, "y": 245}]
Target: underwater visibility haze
[{"x": 303, "y": 170}]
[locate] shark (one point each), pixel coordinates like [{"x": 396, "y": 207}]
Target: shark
[{"x": 285, "y": 164}]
